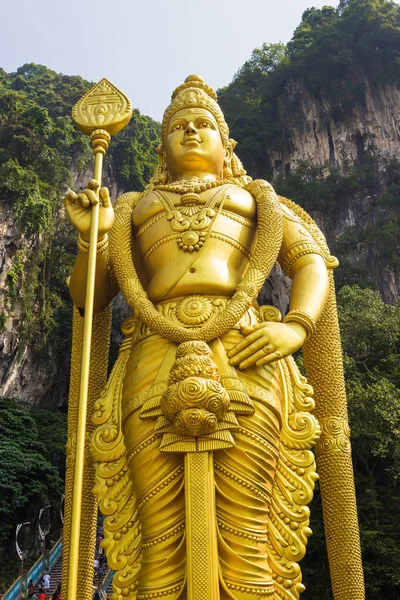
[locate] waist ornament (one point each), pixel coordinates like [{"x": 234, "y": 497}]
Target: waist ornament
[{"x": 191, "y": 311}]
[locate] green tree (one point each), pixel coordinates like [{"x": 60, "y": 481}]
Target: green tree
[
  {"x": 27, "y": 479},
  {"x": 370, "y": 334},
  {"x": 40, "y": 147}
]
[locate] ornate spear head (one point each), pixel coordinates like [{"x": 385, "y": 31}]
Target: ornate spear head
[{"x": 103, "y": 107}]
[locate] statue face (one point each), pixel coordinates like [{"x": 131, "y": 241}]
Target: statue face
[{"x": 194, "y": 145}]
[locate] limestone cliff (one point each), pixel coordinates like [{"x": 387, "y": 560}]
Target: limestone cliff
[
  {"x": 369, "y": 132},
  {"x": 23, "y": 375},
  {"x": 316, "y": 137}
]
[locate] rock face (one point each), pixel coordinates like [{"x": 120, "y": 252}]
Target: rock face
[
  {"x": 374, "y": 127},
  {"x": 21, "y": 375}
]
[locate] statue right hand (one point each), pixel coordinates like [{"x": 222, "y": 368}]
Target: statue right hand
[{"x": 78, "y": 207}]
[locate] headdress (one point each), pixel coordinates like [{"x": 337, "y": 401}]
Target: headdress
[{"x": 194, "y": 92}]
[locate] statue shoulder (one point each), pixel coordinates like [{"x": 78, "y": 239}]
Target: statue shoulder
[
  {"x": 294, "y": 212},
  {"x": 301, "y": 235},
  {"x": 127, "y": 202},
  {"x": 123, "y": 207},
  {"x": 288, "y": 214}
]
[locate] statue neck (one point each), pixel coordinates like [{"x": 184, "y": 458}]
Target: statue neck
[{"x": 195, "y": 175}]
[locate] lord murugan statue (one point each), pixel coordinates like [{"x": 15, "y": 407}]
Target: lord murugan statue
[{"x": 199, "y": 447}]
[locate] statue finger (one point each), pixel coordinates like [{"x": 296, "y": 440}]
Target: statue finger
[
  {"x": 93, "y": 184},
  {"x": 246, "y": 329},
  {"x": 248, "y": 351},
  {"x": 253, "y": 359},
  {"x": 269, "y": 358},
  {"x": 105, "y": 196},
  {"x": 70, "y": 197},
  {"x": 92, "y": 196},
  {"x": 83, "y": 200},
  {"x": 249, "y": 339}
]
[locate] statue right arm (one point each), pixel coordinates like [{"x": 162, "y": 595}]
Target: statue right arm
[{"x": 78, "y": 207}]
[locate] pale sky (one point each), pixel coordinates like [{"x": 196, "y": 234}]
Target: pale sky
[{"x": 145, "y": 47}]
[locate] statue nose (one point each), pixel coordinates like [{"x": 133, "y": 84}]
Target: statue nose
[{"x": 190, "y": 128}]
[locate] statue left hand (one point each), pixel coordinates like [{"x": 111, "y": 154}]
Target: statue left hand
[{"x": 266, "y": 342}]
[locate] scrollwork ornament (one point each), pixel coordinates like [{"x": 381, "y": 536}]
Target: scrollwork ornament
[
  {"x": 195, "y": 398},
  {"x": 335, "y": 436}
]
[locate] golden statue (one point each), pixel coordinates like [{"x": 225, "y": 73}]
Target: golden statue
[{"x": 200, "y": 441}]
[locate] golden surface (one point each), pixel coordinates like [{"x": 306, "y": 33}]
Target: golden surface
[
  {"x": 203, "y": 433},
  {"x": 103, "y": 105},
  {"x": 323, "y": 363},
  {"x": 98, "y": 377}
]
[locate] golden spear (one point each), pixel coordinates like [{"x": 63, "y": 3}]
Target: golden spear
[{"x": 100, "y": 113}]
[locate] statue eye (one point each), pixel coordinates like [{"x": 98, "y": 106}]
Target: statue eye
[
  {"x": 177, "y": 127},
  {"x": 205, "y": 124}
]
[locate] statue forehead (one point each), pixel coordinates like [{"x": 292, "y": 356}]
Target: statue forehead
[{"x": 190, "y": 113}]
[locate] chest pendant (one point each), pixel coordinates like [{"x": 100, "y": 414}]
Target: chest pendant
[{"x": 191, "y": 219}]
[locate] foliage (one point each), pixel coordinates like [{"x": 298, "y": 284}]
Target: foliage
[
  {"x": 40, "y": 148},
  {"x": 32, "y": 468},
  {"x": 360, "y": 37},
  {"x": 315, "y": 188},
  {"x": 253, "y": 108},
  {"x": 331, "y": 52},
  {"x": 132, "y": 155},
  {"x": 52, "y": 430},
  {"x": 12, "y": 279},
  {"x": 28, "y": 480},
  {"x": 370, "y": 335}
]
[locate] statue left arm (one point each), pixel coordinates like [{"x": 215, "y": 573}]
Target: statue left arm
[{"x": 301, "y": 258}]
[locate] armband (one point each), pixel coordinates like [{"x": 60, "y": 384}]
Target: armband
[{"x": 297, "y": 250}]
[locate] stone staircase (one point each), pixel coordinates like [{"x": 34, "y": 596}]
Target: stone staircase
[
  {"x": 55, "y": 576},
  {"x": 54, "y": 567},
  {"x": 55, "y": 579}
]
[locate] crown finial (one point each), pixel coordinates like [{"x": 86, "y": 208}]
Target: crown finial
[{"x": 194, "y": 78}]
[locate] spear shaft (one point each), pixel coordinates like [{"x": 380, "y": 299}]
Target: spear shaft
[
  {"x": 102, "y": 112},
  {"x": 100, "y": 140}
]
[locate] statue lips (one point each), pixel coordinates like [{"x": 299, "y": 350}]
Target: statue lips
[{"x": 192, "y": 141}]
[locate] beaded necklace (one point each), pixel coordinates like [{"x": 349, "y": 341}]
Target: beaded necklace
[
  {"x": 193, "y": 186},
  {"x": 194, "y": 226}
]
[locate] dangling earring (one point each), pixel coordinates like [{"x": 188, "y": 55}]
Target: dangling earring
[
  {"x": 162, "y": 171},
  {"x": 163, "y": 174},
  {"x": 227, "y": 172}
]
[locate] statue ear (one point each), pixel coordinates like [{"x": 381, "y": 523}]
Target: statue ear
[
  {"x": 163, "y": 171},
  {"x": 228, "y": 155}
]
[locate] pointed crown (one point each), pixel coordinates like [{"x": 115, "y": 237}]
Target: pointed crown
[{"x": 194, "y": 92}]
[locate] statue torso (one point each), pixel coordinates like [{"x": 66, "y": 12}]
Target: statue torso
[{"x": 189, "y": 248}]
